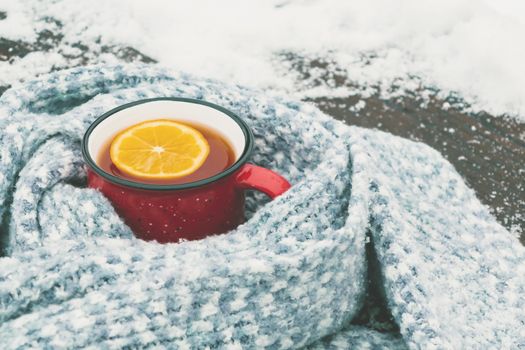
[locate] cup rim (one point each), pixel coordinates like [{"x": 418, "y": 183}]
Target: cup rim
[{"x": 248, "y": 146}]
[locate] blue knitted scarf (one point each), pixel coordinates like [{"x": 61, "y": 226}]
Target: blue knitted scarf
[{"x": 369, "y": 214}]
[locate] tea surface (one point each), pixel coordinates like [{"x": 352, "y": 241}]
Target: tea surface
[{"x": 220, "y": 158}]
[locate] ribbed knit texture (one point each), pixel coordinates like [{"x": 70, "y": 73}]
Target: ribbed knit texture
[{"x": 294, "y": 275}]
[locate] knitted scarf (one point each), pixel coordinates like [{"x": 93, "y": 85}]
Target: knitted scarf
[{"x": 373, "y": 224}]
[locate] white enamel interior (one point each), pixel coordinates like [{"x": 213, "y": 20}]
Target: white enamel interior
[{"x": 167, "y": 109}]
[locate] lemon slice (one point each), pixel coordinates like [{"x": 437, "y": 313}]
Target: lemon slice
[{"x": 159, "y": 149}]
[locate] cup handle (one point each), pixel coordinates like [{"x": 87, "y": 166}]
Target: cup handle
[{"x": 254, "y": 177}]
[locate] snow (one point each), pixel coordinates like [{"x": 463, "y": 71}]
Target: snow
[
  {"x": 468, "y": 48},
  {"x": 17, "y": 25}
]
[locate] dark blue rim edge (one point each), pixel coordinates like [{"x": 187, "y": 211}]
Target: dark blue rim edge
[{"x": 123, "y": 182}]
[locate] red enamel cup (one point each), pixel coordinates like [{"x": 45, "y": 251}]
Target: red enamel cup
[{"x": 189, "y": 211}]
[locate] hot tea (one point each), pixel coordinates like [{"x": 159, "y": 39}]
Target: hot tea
[
  {"x": 186, "y": 157},
  {"x": 219, "y": 158}
]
